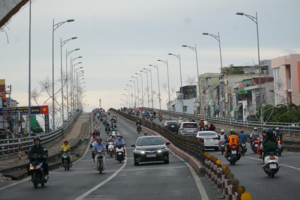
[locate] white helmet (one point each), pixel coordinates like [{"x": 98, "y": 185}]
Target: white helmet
[
  {"x": 255, "y": 129},
  {"x": 276, "y": 128},
  {"x": 222, "y": 131}
]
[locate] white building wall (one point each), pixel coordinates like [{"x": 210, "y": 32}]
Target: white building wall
[{"x": 176, "y": 106}]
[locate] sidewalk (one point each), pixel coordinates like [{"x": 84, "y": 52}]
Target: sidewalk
[{"x": 53, "y": 149}]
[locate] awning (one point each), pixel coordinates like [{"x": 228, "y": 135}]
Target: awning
[{"x": 238, "y": 107}]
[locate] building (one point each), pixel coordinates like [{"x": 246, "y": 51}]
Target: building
[{"x": 287, "y": 79}]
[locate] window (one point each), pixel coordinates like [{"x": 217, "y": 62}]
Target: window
[
  {"x": 189, "y": 125},
  {"x": 184, "y": 108},
  {"x": 277, "y": 80}
]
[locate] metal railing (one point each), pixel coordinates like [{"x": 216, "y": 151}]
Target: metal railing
[
  {"x": 11, "y": 145},
  {"x": 191, "y": 145},
  {"x": 292, "y": 128}
]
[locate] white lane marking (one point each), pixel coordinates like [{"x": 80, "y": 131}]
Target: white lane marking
[
  {"x": 201, "y": 189},
  {"x": 279, "y": 164},
  {"x": 103, "y": 182}
]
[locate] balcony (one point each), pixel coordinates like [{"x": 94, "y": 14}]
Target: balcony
[{"x": 289, "y": 84}]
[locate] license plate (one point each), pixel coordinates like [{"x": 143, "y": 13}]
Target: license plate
[
  {"x": 119, "y": 153},
  {"x": 256, "y": 145},
  {"x": 233, "y": 152},
  {"x": 273, "y": 166},
  {"x": 243, "y": 145},
  {"x": 172, "y": 126},
  {"x": 151, "y": 155},
  {"x": 190, "y": 131}
]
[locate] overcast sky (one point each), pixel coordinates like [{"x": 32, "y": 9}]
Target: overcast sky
[{"x": 118, "y": 38}]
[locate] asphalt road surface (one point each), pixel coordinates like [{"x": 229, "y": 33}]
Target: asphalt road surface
[
  {"x": 149, "y": 181},
  {"x": 248, "y": 170}
]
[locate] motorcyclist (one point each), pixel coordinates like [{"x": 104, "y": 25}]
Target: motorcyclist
[
  {"x": 206, "y": 124},
  {"x": 192, "y": 120},
  {"x": 99, "y": 146},
  {"x": 109, "y": 139},
  {"x": 232, "y": 139},
  {"x": 254, "y": 136},
  {"x": 68, "y": 148},
  {"x": 120, "y": 142},
  {"x": 107, "y": 128},
  {"x": 39, "y": 149},
  {"x": 160, "y": 114},
  {"x": 260, "y": 140},
  {"x": 114, "y": 128},
  {"x": 151, "y": 115},
  {"x": 212, "y": 127},
  {"x": 180, "y": 120},
  {"x": 242, "y": 137},
  {"x": 145, "y": 133},
  {"x": 269, "y": 144},
  {"x": 278, "y": 134},
  {"x": 138, "y": 123},
  {"x": 201, "y": 124},
  {"x": 223, "y": 137}
]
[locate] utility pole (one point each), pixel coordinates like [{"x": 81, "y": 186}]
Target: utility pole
[{"x": 100, "y": 103}]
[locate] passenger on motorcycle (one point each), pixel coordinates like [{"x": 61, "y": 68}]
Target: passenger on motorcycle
[
  {"x": 242, "y": 137},
  {"x": 223, "y": 137},
  {"x": 278, "y": 134},
  {"x": 107, "y": 128},
  {"x": 269, "y": 144},
  {"x": 147, "y": 113},
  {"x": 39, "y": 149},
  {"x": 120, "y": 142},
  {"x": 99, "y": 146},
  {"x": 201, "y": 125},
  {"x": 192, "y": 120},
  {"x": 160, "y": 114},
  {"x": 154, "y": 114},
  {"x": 212, "y": 127},
  {"x": 138, "y": 123},
  {"x": 232, "y": 139},
  {"x": 254, "y": 136},
  {"x": 67, "y": 147},
  {"x": 260, "y": 140}
]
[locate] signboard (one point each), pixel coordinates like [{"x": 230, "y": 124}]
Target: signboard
[
  {"x": 35, "y": 110},
  {"x": 47, "y": 129}
]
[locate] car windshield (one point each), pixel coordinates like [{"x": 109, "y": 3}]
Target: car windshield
[
  {"x": 150, "y": 141},
  {"x": 207, "y": 134},
  {"x": 189, "y": 125}
]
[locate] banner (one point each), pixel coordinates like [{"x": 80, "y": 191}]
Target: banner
[
  {"x": 47, "y": 129},
  {"x": 35, "y": 110}
]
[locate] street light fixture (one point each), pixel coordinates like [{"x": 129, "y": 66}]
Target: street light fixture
[
  {"x": 195, "y": 50},
  {"x": 146, "y": 72},
  {"x": 181, "y": 93},
  {"x": 137, "y": 88},
  {"x": 149, "y": 70},
  {"x": 255, "y": 20},
  {"x": 141, "y": 75},
  {"x": 156, "y": 67},
  {"x": 166, "y": 62},
  {"x": 134, "y": 92},
  {"x": 128, "y": 97},
  {"x": 222, "y": 93}
]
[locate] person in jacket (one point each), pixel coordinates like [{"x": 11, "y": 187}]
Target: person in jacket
[
  {"x": 278, "y": 134},
  {"x": 242, "y": 137},
  {"x": 201, "y": 124},
  {"x": 68, "y": 148},
  {"x": 232, "y": 139},
  {"x": 269, "y": 144},
  {"x": 223, "y": 137},
  {"x": 212, "y": 127},
  {"x": 37, "y": 148},
  {"x": 254, "y": 136},
  {"x": 138, "y": 123},
  {"x": 261, "y": 139}
]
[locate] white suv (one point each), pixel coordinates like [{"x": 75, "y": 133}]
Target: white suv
[{"x": 188, "y": 129}]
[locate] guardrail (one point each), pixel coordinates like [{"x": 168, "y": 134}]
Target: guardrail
[
  {"x": 283, "y": 127},
  {"x": 192, "y": 145},
  {"x": 12, "y": 145}
]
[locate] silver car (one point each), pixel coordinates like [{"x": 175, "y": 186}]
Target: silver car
[{"x": 188, "y": 129}]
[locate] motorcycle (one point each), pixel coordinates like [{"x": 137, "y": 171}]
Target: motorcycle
[
  {"x": 147, "y": 116},
  {"x": 139, "y": 129},
  {"x": 244, "y": 148},
  {"x": 254, "y": 146},
  {"x": 280, "y": 149},
  {"x": 143, "y": 117},
  {"x": 36, "y": 170},
  {"x": 160, "y": 119},
  {"x": 222, "y": 147},
  {"x": 154, "y": 117},
  {"x": 99, "y": 159},
  {"x": 66, "y": 159},
  {"x": 233, "y": 154},
  {"x": 120, "y": 153},
  {"x": 110, "y": 150},
  {"x": 205, "y": 127},
  {"x": 108, "y": 113},
  {"x": 151, "y": 119},
  {"x": 271, "y": 164},
  {"x": 91, "y": 144}
]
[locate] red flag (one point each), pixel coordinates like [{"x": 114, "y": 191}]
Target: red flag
[{"x": 44, "y": 110}]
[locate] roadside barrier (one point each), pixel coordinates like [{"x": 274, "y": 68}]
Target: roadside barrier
[{"x": 223, "y": 180}]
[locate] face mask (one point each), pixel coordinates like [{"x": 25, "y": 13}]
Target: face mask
[{"x": 119, "y": 138}]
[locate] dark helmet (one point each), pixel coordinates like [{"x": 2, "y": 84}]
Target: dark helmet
[
  {"x": 37, "y": 138},
  {"x": 99, "y": 138},
  {"x": 269, "y": 132},
  {"x": 265, "y": 130}
]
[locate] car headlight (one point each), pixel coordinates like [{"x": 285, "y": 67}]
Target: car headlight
[
  {"x": 142, "y": 152},
  {"x": 159, "y": 151}
]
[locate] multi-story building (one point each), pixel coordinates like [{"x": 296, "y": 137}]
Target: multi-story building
[{"x": 286, "y": 79}]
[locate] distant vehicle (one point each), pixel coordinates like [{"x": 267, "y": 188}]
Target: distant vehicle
[
  {"x": 171, "y": 125},
  {"x": 188, "y": 129},
  {"x": 149, "y": 149},
  {"x": 210, "y": 139}
]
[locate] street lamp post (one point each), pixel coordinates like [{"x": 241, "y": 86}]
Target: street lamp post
[
  {"x": 127, "y": 100},
  {"x": 147, "y": 86},
  {"x": 195, "y": 50},
  {"x": 68, "y": 77},
  {"x": 166, "y": 62},
  {"x": 131, "y": 94},
  {"x": 142, "y": 87},
  {"x": 137, "y": 88},
  {"x": 29, "y": 73},
  {"x": 73, "y": 79},
  {"x": 156, "y": 67},
  {"x": 62, "y": 43},
  {"x": 222, "y": 93},
  {"x": 149, "y": 70},
  {"x": 128, "y": 97},
  {"x": 255, "y": 20},
  {"x": 134, "y": 92},
  {"x": 178, "y": 56},
  {"x": 54, "y": 27}
]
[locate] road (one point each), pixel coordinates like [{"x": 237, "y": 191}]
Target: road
[
  {"x": 150, "y": 181},
  {"x": 249, "y": 172}
]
